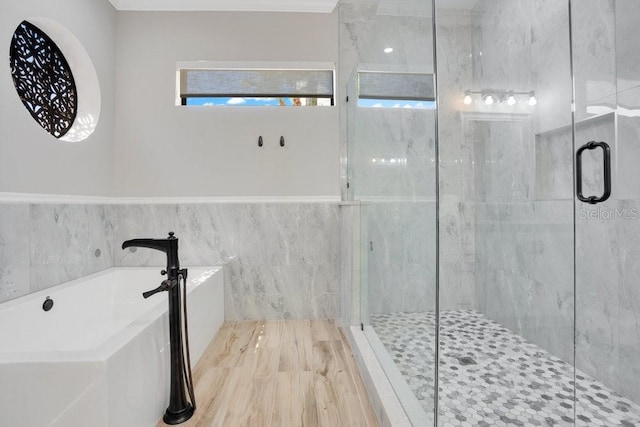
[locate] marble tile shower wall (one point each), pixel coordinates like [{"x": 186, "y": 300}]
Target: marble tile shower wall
[
  {"x": 455, "y": 74},
  {"x": 524, "y": 266},
  {"x": 401, "y": 264},
  {"x": 524, "y": 244},
  {"x": 524, "y": 210},
  {"x": 355, "y": 21},
  {"x": 607, "y": 294},
  {"x": 398, "y": 213},
  {"x": 282, "y": 258},
  {"x": 525, "y": 214},
  {"x": 608, "y": 234},
  {"x": 456, "y": 155},
  {"x": 594, "y": 36},
  {"x": 399, "y": 240},
  {"x": 405, "y": 139}
]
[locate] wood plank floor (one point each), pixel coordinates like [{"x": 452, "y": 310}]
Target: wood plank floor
[{"x": 279, "y": 373}]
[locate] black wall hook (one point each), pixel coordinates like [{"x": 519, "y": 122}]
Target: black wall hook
[
  {"x": 260, "y": 141},
  {"x": 281, "y": 141}
]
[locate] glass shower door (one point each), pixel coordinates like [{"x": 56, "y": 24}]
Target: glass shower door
[
  {"x": 506, "y": 219},
  {"x": 606, "y": 58},
  {"x": 392, "y": 174}
]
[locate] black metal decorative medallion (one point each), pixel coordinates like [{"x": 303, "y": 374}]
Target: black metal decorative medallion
[{"x": 43, "y": 79}]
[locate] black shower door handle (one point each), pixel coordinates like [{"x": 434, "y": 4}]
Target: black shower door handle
[{"x": 606, "y": 155}]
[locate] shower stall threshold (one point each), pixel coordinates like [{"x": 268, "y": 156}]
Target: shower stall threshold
[{"x": 394, "y": 403}]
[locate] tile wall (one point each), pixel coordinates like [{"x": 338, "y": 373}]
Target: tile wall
[{"x": 281, "y": 258}]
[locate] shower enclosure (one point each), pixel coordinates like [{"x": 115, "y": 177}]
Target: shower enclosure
[{"x": 499, "y": 215}]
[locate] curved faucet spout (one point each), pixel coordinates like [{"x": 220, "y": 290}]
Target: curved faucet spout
[
  {"x": 169, "y": 246},
  {"x": 158, "y": 244}
]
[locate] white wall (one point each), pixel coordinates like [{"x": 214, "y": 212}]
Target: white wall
[
  {"x": 164, "y": 150},
  {"x": 32, "y": 160}
]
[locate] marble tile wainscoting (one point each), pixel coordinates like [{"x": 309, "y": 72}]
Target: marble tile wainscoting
[
  {"x": 43, "y": 245},
  {"x": 282, "y": 259}
]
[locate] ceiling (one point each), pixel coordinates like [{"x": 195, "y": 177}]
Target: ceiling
[{"x": 313, "y": 6}]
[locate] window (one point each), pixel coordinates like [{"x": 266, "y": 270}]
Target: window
[
  {"x": 395, "y": 90},
  {"x": 43, "y": 79},
  {"x": 255, "y": 87}
]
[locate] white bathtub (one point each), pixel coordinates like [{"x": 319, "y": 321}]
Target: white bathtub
[{"x": 100, "y": 356}]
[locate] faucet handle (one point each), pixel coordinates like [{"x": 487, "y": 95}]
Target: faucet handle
[
  {"x": 171, "y": 235},
  {"x": 164, "y": 286},
  {"x": 163, "y": 272}
]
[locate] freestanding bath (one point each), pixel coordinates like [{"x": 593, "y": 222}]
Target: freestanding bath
[{"x": 100, "y": 355}]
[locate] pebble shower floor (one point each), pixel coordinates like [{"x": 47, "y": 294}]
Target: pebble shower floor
[{"x": 490, "y": 376}]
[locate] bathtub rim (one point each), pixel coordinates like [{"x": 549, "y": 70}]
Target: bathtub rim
[{"x": 111, "y": 345}]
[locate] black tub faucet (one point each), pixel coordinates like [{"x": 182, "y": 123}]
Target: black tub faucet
[
  {"x": 168, "y": 246},
  {"x": 180, "y": 409}
]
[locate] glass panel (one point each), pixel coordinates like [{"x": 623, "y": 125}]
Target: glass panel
[
  {"x": 392, "y": 172},
  {"x": 606, "y": 60},
  {"x": 506, "y": 213}
]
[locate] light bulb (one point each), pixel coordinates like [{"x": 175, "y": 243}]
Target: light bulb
[
  {"x": 488, "y": 99},
  {"x": 467, "y": 98},
  {"x": 388, "y": 49},
  {"x": 511, "y": 100},
  {"x": 532, "y": 98}
]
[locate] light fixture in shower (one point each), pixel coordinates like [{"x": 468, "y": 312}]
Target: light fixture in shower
[
  {"x": 467, "y": 98},
  {"x": 393, "y": 161},
  {"x": 388, "y": 49},
  {"x": 500, "y": 96},
  {"x": 487, "y": 98}
]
